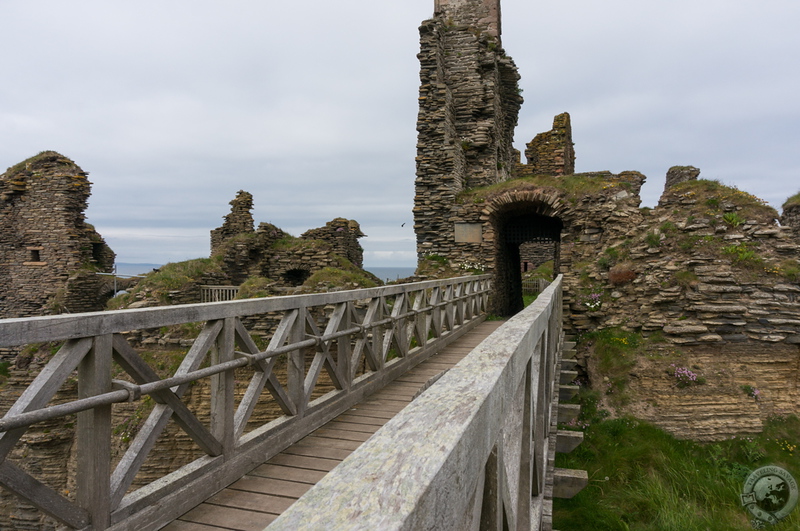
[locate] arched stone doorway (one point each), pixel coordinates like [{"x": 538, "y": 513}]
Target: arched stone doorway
[{"x": 516, "y": 224}]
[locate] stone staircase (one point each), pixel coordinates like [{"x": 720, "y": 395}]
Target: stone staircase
[{"x": 563, "y": 482}]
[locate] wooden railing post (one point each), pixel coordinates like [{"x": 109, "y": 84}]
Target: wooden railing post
[
  {"x": 222, "y": 388},
  {"x": 344, "y": 348},
  {"x": 94, "y": 435},
  {"x": 296, "y": 364}
]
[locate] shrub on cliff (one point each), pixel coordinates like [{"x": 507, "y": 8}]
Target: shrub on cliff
[{"x": 168, "y": 278}]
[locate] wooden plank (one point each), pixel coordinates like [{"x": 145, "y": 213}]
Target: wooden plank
[
  {"x": 318, "y": 451},
  {"x": 228, "y": 517},
  {"x": 361, "y": 419},
  {"x": 385, "y": 402},
  {"x": 288, "y": 473},
  {"x": 180, "y": 525},
  {"x": 350, "y": 426},
  {"x": 373, "y": 412},
  {"x": 400, "y": 397},
  {"x": 314, "y": 439},
  {"x": 346, "y": 435},
  {"x": 310, "y": 463},
  {"x": 252, "y": 501},
  {"x": 275, "y": 487}
]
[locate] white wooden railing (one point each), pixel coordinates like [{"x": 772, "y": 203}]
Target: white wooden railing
[
  {"x": 361, "y": 339},
  {"x": 218, "y": 293},
  {"x": 534, "y": 286},
  {"x": 471, "y": 452}
]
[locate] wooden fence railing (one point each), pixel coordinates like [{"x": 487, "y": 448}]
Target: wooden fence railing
[
  {"x": 471, "y": 452},
  {"x": 218, "y": 293},
  {"x": 534, "y": 286},
  {"x": 360, "y": 339}
]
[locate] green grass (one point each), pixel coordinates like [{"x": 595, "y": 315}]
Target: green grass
[
  {"x": 333, "y": 277},
  {"x": 616, "y": 352},
  {"x": 574, "y": 186},
  {"x": 712, "y": 195},
  {"x": 642, "y": 478},
  {"x": 174, "y": 276},
  {"x": 792, "y": 201},
  {"x": 254, "y": 287},
  {"x": 544, "y": 271}
]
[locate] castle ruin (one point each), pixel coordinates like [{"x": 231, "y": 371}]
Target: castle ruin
[
  {"x": 709, "y": 268},
  {"x": 271, "y": 253},
  {"x": 49, "y": 255}
]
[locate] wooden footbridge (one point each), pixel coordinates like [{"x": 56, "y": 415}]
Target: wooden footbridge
[{"x": 397, "y": 407}]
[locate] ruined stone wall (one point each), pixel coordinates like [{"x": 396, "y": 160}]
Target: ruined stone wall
[
  {"x": 469, "y": 102},
  {"x": 44, "y": 239},
  {"x": 342, "y": 235},
  {"x": 680, "y": 174},
  {"x": 552, "y": 152},
  {"x": 791, "y": 218},
  {"x": 534, "y": 254},
  {"x": 271, "y": 253},
  {"x": 483, "y": 13},
  {"x": 239, "y": 221}
]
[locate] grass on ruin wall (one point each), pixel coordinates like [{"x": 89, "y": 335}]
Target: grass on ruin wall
[
  {"x": 792, "y": 201},
  {"x": 574, "y": 186},
  {"x": 169, "y": 277},
  {"x": 711, "y": 198},
  {"x": 20, "y": 166},
  {"x": 714, "y": 210},
  {"x": 642, "y": 478}
]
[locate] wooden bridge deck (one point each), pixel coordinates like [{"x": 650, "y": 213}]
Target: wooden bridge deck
[{"x": 260, "y": 496}]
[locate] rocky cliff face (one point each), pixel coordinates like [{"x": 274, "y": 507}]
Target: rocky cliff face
[{"x": 711, "y": 273}]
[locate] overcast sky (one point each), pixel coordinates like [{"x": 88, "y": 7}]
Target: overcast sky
[{"x": 173, "y": 106}]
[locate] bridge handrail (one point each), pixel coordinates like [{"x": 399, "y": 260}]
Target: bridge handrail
[
  {"x": 471, "y": 451},
  {"x": 343, "y": 330}
]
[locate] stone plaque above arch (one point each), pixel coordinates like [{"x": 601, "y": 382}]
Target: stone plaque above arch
[{"x": 468, "y": 233}]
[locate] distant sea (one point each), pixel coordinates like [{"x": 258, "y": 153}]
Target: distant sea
[
  {"x": 125, "y": 269},
  {"x": 390, "y": 274}
]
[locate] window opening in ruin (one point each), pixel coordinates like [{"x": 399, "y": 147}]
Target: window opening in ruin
[
  {"x": 296, "y": 277},
  {"x": 35, "y": 255},
  {"x": 97, "y": 252},
  {"x": 526, "y": 240}
]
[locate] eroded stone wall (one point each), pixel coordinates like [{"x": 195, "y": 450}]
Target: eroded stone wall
[
  {"x": 469, "y": 102},
  {"x": 45, "y": 241},
  {"x": 270, "y": 252},
  {"x": 680, "y": 174},
  {"x": 552, "y": 152},
  {"x": 791, "y": 218},
  {"x": 239, "y": 221}
]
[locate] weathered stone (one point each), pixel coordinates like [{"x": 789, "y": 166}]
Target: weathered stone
[
  {"x": 552, "y": 153},
  {"x": 685, "y": 329},
  {"x": 680, "y": 174},
  {"x": 48, "y": 253}
]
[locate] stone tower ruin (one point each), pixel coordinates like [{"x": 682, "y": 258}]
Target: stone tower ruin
[
  {"x": 49, "y": 255},
  {"x": 469, "y": 102}
]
